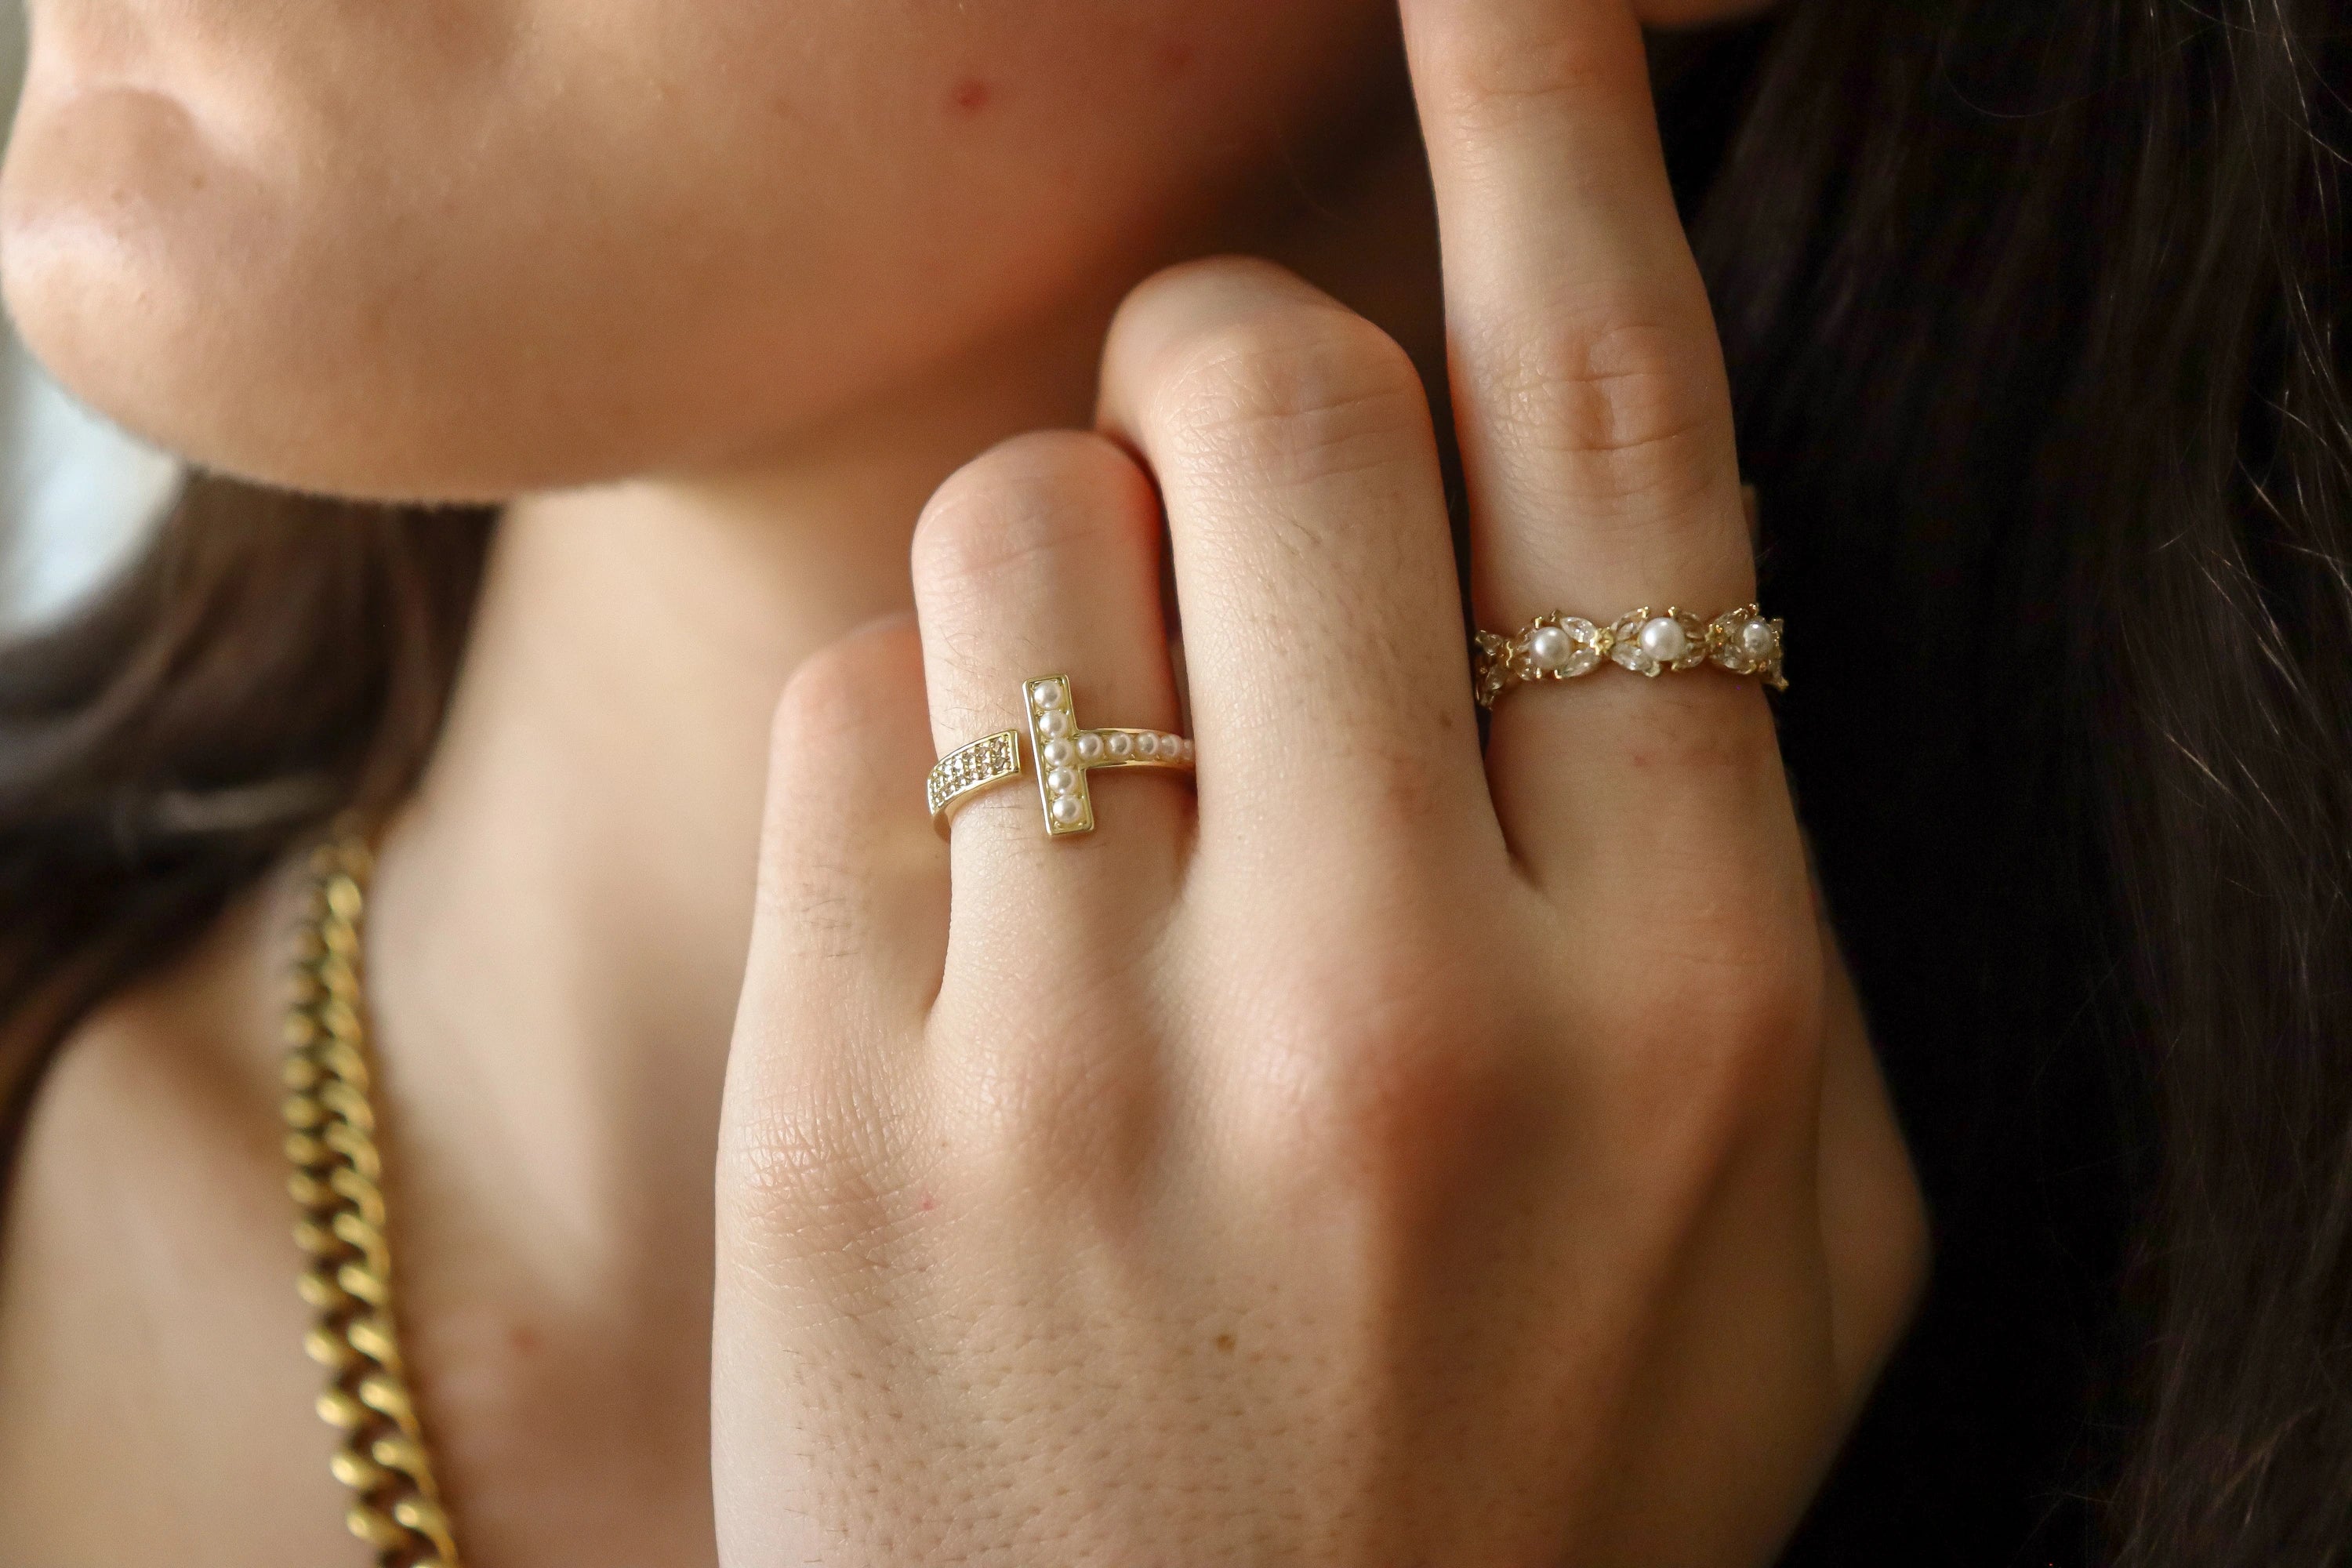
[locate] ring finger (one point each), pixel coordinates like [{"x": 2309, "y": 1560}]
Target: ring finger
[
  {"x": 1038, "y": 559},
  {"x": 1595, "y": 421}
]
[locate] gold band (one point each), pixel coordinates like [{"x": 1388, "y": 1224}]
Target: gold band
[
  {"x": 1067, "y": 755},
  {"x": 1561, "y": 647}
]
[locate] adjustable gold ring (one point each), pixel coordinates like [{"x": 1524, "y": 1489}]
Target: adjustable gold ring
[
  {"x": 1067, "y": 756},
  {"x": 1561, "y": 647}
]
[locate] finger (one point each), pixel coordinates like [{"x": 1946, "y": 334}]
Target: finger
[
  {"x": 1041, "y": 558},
  {"x": 1323, "y": 638},
  {"x": 1595, "y": 423},
  {"x": 850, "y": 924},
  {"x": 848, "y": 936}
]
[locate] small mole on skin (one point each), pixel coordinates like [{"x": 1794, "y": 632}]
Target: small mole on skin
[
  {"x": 929, "y": 1203},
  {"x": 1226, "y": 1343},
  {"x": 522, "y": 1339},
  {"x": 971, "y": 95}
]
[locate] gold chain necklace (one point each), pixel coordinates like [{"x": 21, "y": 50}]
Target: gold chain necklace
[{"x": 337, "y": 1181}]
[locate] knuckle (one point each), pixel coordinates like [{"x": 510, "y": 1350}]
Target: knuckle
[
  {"x": 1727, "y": 1030},
  {"x": 830, "y": 693},
  {"x": 1290, "y": 394},
  {"x": 1761, "y": 1005},
  {"x": 1631, "y": 394},
  {"x": 830, "y": 746},
  {"x": 1387, "y": 1084},
  {"x": 1048, "y": 1113},
  {"x": 1492, "y": 76},
  {"x": 1023, "y": 500},
  {"x": 800, "y": 1161}
]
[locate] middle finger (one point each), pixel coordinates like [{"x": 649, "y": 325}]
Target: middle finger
[{"x": 1295, "y": 452}]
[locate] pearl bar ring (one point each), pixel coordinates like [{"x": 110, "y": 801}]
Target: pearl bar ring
[
  {"x": 1067, "y": 755},
  {"x": 1561, "y": 647}
]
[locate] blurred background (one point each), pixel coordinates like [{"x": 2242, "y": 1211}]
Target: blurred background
[{"x": 75, "y": 495}]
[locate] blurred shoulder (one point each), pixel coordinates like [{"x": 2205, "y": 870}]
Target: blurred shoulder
[{"x": 150, "y": 1368}]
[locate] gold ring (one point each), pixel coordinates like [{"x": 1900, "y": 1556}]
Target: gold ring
[
  {"x": 1067, "y": 755},
  {"x": 1561, "y": 647}
]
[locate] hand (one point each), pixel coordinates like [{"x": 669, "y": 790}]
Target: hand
[{"x": 1409, "y": 1157}]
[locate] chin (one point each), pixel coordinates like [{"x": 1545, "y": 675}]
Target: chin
[
  {"x": 161, "y": 282},
  {"x": 316, "y": 336},
  {"x": 406, "y": 252}
]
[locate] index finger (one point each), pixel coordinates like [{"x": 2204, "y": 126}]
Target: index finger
[
  {"x": 1595, "y": 423},
  {"x": 1596, "y": 420}
]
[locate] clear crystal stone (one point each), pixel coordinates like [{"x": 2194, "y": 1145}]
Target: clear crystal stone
[{"x": 1634, "y": 656}]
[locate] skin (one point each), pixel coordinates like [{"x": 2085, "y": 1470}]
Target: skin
[{"x": 1327, "y": 1172}]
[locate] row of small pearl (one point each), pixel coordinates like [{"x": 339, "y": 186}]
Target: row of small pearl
[
  {"x": 1120, "y": 746},
  {"x": 1067, "y": 751},
  {"x": 1663, "y": 639},
  {"x": 1053, "y": 723}
]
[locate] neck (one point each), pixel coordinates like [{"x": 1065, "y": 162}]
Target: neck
[{"x": 563, "y": 909}]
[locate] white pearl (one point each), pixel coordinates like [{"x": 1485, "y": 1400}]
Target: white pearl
[
  {"x": 1061, "y": 781},
  {"x": 1090, "y": 748},
  {"x": 1069, "y": 811},
  {"x": 1147, "y": 745},
  {"x": 1052, "y": 725},
  {"x": 1756, "y": 639},
  {"x": 1548, "y": 647},
  {"x": 1120, "y": 745},
  {"x": 1664, "y": 640},
  {"x": 1047, "y": 694},
  {"x": 1171, "y": 748},
  {"x": 1058, "y": 754}
]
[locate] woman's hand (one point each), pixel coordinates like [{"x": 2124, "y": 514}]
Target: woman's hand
[{"x": 1409, "y": 1157}]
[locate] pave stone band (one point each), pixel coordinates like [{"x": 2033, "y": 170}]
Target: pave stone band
[
  {"x": 1067, "y": 756},
  {"x": 1561, "y": 647}
]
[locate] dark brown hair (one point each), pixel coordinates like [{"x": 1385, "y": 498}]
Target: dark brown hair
[
  {"x": 273, "y": 661},
  {"x": 2035, "y": 309}
]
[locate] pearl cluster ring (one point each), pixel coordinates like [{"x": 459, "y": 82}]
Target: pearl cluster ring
[
  {"x": 1561, "y": 647},
  {"x": 1067, "y": 755}
]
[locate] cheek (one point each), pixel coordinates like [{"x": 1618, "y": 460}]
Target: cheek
[{"x": 624, "y": 235}]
